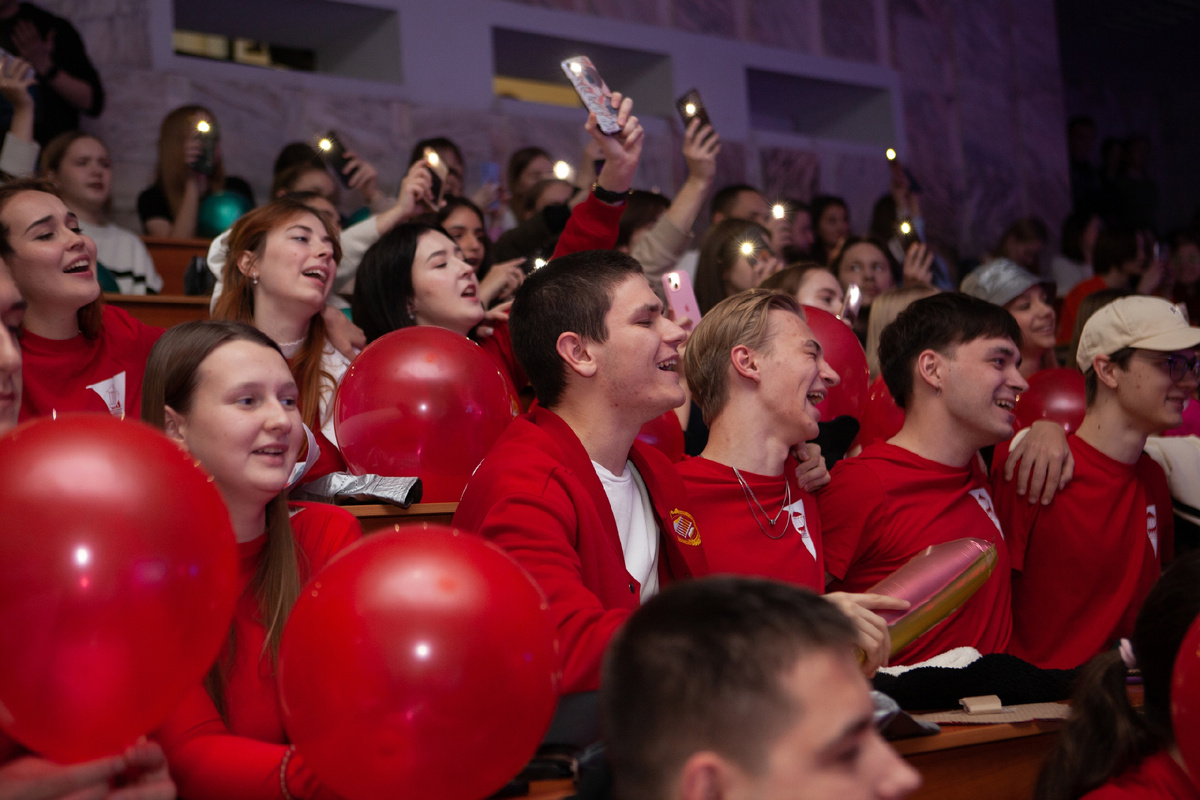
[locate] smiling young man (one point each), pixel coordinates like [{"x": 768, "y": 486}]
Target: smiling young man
[
  {"x": 599, "y": 519},
  {"x": 1083, "y": 564},
  {"x": 737, "y": 687},
  {"x": 757, "y": 372},
  {"x": 951, "y": 361}
]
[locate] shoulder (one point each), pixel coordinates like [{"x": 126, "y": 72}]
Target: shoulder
[{"x": 119, "y": 324}]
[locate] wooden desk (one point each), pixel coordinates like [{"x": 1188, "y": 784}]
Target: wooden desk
[
  {"x": 171, "y": 257},
  {"x": 162, "y": 310},
  {"x": 383, "y": 517}
]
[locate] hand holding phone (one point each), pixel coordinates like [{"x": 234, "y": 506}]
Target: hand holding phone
[
  {"x": 593, "y": 91},
  {"x": 333, "y": 153},
  {"x": 438, "y": 170},
  {"x": 205, "y": 136},
  {"x": 691, "y": 107},
  {"x": 681, "y": 299}
]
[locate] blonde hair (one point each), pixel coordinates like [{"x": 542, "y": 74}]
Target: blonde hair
[
  {"x": 249, "y": 235},
  {"x": 884, "y": 310},
  {"x": 171, "y": 172},
  {"x": 741, "y": 319}
]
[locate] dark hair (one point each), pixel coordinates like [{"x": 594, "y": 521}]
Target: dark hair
[
  {"x": 702, "y": 666},
  {"x": 718, "y": 253},
  {"x": 383, "y": 287},
  {"x": 726, "y": 198},
  {"x": 1073, "y": 228},
  {"x": 883, "y": 218},
  {"x": 642, "y": 209},
  {"x": 90, "y": 317},
  {"x": 296, "y": 154},
  {"x": 817, "y": 208},
  {"x": 1113, "y": 248},
  {"x": 172, "y": 374},
  {"x": 451, "y": 205},
  {"x": 1025, "y": 229},
  {"x": 1105, "y": 735},
  {"x": 1091, "y": 382},
  {"x": 287, "y": 178},
  {"x": 572, "y": 293},
  {"x": 940, "y": 323},
  {"x": 519, "y": 160},
  {"x": 437, "y": 143}
]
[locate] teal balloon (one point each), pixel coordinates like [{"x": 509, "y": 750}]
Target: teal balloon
[
  {"x": 357, "y": 216},
  {"x": 219, "y": 211}
]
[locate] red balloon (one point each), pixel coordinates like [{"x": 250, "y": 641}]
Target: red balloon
[
  {"x": 846, "y": 356},
  {"x": 419, "y": 663},
  {"x": 118, "y": 579},
  {"x": 1185, "y": 701},
  {"x": 422, "y": 401},
  {"x": 882, "y": 418},
  {"x": 665, "y": 433},
  {"x": 1055, "y": 394}
]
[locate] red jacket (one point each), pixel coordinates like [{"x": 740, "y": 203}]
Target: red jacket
[
  {"x": 537, "y": 496},
  {"x": 592, "y": 226}
]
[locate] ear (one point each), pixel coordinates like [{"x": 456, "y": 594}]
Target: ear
[
  {"x": 175, "y": 426},
  {"x": 574, "y": 351},
  {"x": 931, "y": 367},
  {"x": 745, "y": 363},
  {"x": 1106, "y": 370},
  {"x": 707, "y": 776},
  {"x": 245, "y": 262}
]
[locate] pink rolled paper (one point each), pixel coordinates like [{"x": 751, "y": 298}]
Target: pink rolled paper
[{"x": 936, "y": 582}]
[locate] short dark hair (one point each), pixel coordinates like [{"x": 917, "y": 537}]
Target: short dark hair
[
  {"x": 1091, "y": 383},
  {"x": 437, "y": 143},
  {"x": 642, "y": 209},
  {"x": 519, "y": 160},
  {"x": 572, "y": 293},
  {"x": 1113, "y": 248},
  {"x": 294, "y": 154},
  {"x": 939, "y": 322},
  {"x": 726, "y": 197},
  {"x": 701, "y": 667},
  {"x": 383, "y": 287}
]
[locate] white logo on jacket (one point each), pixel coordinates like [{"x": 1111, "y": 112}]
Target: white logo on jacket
[{"x": 1152, "y": 526}]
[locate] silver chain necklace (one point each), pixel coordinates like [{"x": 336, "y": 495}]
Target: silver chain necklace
[{"x": 750, "y": 497}]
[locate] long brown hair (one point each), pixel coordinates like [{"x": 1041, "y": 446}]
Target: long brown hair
[
  {"x": 171, "y": 172},
  {"x": 1106, "y": 735},
  {"x": 249, "y": 235},
  {"x": 172, "y": 375},
  {"x": 90, "y": 316}
]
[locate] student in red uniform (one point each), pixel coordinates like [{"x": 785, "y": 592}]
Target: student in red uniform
[
  {"x": 738, "y": 687},
  {"x": 1110, "y": 750},
  {"x": 79, "y": 354},
  {"x": 600, "y": 520},
  {"x": 951, "y": 363},
  {"x": 280, "y": 270},
  {"x": 757, "y": 372},
  {"x": 224, "y": 392},
  {"x": 1083, "y": 564}
]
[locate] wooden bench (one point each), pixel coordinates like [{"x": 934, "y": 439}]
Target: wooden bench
[
  {"x": 171, "y": 258},
  {"x": 161, "y": 310},
  {"x": 383, "y": 517}
]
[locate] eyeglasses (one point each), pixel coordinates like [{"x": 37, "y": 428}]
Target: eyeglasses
[{"x": 1177, "y": 366}]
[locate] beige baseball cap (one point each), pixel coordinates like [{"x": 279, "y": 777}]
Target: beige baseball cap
[{"x": 1146, "y": 323}]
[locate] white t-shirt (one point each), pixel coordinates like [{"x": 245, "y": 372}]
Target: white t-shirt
[
  {"x": 636, "y": 526},
  {"x": 123, "y": 254}
]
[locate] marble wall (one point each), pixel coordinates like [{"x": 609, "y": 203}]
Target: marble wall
[{"x": 980, "y": 87}]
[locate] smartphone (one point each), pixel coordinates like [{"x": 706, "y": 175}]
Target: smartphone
[
  {"x": 851, "y": 305},
  {"x": 692, "y": 107},
  {"x": 439, "y": 171},
  {"x": 681, "y": 299},
  {"x": 593, "y": 91},
  {"x": 30, "y": 73},
  {"x": 333, "y": 153},
  {"x": 206, "y": 134}
]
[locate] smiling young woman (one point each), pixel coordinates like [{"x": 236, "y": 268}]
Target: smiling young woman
[
  {"x": 79, "y": 355},
  {"x": 280, "y": 269}
]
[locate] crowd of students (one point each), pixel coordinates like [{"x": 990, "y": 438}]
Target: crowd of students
[{"x": 704, "y": 681}]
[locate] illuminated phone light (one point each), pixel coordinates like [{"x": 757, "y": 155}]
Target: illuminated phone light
[
  {"x": 562, "y": 170},
  {"x": 673, "y": 281},
  {"x": 905, "y": 228},
  {"x": 538, "y": 263},
  {"x": 690, "y": 109},
  {"x": 325, "y": 144},
  {"x": 576, "y": 67},
  {"x": 778, "y": 211},
  {"x": 203, "y": 126},
  {"x": 432, "y": 158},
  {"x": 747, "y": 248},
  {"x": 891, "y": 154}
]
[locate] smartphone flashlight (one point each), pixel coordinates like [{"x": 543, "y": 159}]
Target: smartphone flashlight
[
  {"x": 747, "y": 248},
  {"x": 778, "y": 211},
  {"x": 690, "y": 109},
  {"x": 325, "y": 145},
  {"x": 562, "y": 170},
  {"x": 891, "y": 154},
  {"x": 905, "y": 228},
  {"x": 673, "y": 281},
  {"x": 538, "y": 263},
  {"x": 203, "y": 126},
  {"x": 576, "y": 67},
  {"x": 432, "y": 157}
]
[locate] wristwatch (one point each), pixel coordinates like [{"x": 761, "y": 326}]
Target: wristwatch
[{"x": 608, "y": 196}]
